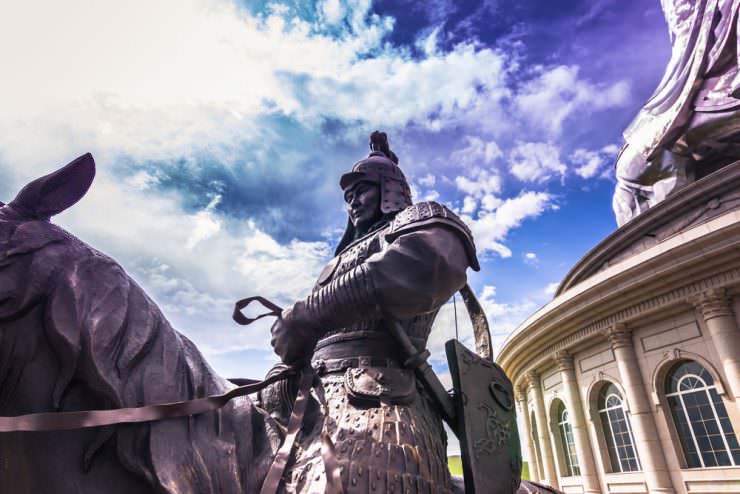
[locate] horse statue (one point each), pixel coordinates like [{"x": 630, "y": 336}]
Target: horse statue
[{"x": 77, "y": 333}]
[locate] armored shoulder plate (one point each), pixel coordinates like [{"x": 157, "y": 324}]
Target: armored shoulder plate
[{"x": 423, "y": 214}]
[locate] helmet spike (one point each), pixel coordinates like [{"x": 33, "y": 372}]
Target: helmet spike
[{"x": 379, "y": 143}]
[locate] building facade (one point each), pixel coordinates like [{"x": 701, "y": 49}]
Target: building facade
[{"x": 628, "y": 380}]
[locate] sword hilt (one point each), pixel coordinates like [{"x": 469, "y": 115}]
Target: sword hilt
[{"x": 417, "y": 360}]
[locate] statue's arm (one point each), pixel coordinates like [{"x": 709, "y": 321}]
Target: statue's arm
[{"x": 417, "y": 272}]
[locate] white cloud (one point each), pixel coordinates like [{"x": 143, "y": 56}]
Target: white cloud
[
  {"x": 433, "y": 91},
  {"x": 205, "y": 76},
  {"x": 590, "y": 163},
  {"x": 206, "y": 224},
  {"x": 333, "y": 11},
  {"x": 470, "y": 204},
  {"x": 530, "y": 258},
  {"x": 428, "y": 44},
  {"x": 428, "y": 180},
  {"x": 479, "y": 182},
  {"x": 548, "y": 100},
  {"x": 536, "y": 162},
  {"x": 142, "y": 180},
  {"x": 551, "y": 288},
  {"x": 426, "y": 193},
  {"x": 431, "y": 195},
  {"x": 489, "y": 230},
  {"x": 489, "y": 202},
  {"x": 478, "y": 152}
]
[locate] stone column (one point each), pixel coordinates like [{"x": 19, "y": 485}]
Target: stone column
[
  {"x": 526, "y": 432},
  {"x": 643, "y": 422},
  {"x": 720, "y": 320},
  {"x": 543, "y": 428},
  {"x": 572, "y": 396}
]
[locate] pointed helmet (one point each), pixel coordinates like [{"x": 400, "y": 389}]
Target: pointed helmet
[{"x": 381, "y": 168}]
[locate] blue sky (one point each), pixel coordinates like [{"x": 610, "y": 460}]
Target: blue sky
[{"x": 220, "y": 130}]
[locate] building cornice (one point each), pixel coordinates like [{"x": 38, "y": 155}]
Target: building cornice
[{"x": 523, "y": 354}]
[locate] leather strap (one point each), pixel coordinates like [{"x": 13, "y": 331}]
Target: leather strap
[
  {"x": 274, "y": 477},
  {"x": 331, "y": 465},
  {"x": 59, "y": 421},
  {"x": 242, "y": 304}
]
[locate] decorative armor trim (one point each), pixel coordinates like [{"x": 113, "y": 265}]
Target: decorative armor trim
[{"x": 426, "y": 213}]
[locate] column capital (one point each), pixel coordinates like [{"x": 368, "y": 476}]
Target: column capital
[
  {"x": 713, "y": 303},
  {"x": 521, "y": 398},
  {"x": 533, "y": 379},
  {"x": 619, "y": 335},
  {"x": 564, "y": 360},
  {"x": 521, "y": 392}
]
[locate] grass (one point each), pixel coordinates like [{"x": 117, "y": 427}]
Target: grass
[{"x": 455, "y": 464}]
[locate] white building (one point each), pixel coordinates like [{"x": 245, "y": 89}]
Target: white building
[{"x": 628, "y": 381}]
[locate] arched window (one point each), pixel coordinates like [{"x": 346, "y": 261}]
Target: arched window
[
  {"x": 700, "y": 417},
  {"x": 566, "y": 441},
  {"x": 617, "y": 430}
]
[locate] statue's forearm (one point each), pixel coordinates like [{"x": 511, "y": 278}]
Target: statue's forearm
[
  {"x": 349, "y": 297},
  {"x": 415, "y": 274}
]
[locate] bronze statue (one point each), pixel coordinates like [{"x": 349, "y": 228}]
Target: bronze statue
[
  {"x": 690, "y": 126},
  {"x": 364, "y": 330},
  {"x": 395, "y": 259}
]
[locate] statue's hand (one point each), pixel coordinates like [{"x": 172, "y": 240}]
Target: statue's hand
[{"x": 294, "y": 335}]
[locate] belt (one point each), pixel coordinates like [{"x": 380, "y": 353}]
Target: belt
[
  {"x": 381, "y": 340},
  {"x": 327, "y": 366}
]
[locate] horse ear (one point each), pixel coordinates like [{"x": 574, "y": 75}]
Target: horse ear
[{"x": 53, "y": 193}]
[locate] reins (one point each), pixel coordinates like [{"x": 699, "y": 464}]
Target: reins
[{"x": 59, "y": 421}]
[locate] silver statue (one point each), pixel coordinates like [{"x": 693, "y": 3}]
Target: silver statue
[{"x": 689, "y": 127}]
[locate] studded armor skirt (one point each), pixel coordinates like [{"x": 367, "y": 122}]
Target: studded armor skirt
[{"x": 381, "y": 447}]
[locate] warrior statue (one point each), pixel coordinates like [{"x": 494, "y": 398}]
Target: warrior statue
[
  {"x": 690, "y": 126},
  {"x": 396, "y": 260}
]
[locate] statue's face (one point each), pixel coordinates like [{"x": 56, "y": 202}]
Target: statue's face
[{"x": 363, "y": 205}]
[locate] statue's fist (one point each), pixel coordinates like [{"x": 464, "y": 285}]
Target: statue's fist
[{"x": 293, "y": 335}]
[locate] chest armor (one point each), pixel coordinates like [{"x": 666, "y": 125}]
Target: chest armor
[{"x": 355, "y": 254}]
